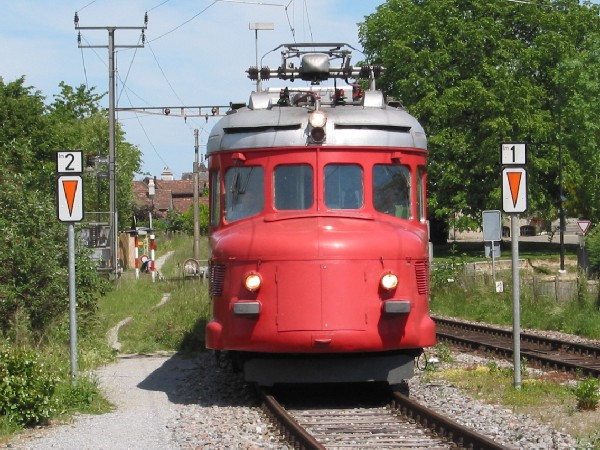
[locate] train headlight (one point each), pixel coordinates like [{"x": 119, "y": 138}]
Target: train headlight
[
  {"x": 389, "y": 281},
  {"x": 317, "y": 121},
  {"x": 252, "y": 281}
]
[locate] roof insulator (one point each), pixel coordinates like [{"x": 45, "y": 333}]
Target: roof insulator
[{"x": 253, "y": 73}]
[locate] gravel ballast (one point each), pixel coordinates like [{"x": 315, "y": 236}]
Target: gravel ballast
[{"x": 170, "y": 402}]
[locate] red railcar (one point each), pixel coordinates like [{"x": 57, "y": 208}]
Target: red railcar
[{"x": 319, "y": 266}]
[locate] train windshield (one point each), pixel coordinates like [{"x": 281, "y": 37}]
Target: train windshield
[
  {"x": 391, "y": 190},
  {"x": 244, "y": 192},
  {"x": 343, "y": 186},
  {"x": 293, "y": 187}
]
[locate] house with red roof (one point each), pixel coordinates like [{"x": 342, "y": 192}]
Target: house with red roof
[{"x": 168, "y": 192}]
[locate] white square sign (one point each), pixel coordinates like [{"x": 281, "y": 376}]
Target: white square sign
[
  {"x": 514, "y": 153},
  {"x": 69, "y": 162}
]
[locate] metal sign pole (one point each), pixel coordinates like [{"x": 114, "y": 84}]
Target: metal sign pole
[
  {"x": 493, "y": 263},
  {"x": 513, "y": 156},
  {"x": 69, "y": 202},
  {"x": 516, "y": 291},
  {"x": 72, "y": 301}
]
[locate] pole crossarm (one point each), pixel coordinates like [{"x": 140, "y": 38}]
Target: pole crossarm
[{"x": 202, "y": 111}]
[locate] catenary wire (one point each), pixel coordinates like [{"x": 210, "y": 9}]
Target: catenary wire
[
  {"x": 90, "y": 3},
  {"x": 184, "y": 23}
]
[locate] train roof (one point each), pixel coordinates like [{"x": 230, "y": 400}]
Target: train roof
[{"x": 282, "y": 117}]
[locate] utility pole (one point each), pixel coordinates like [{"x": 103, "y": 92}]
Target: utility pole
[
  {"x": 196, "y": 199},
  {"x": 112, "y": 154}
]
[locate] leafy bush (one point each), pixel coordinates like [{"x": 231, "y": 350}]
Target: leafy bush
[
  {"x": 26, "y": 390},
  {"x": 592, "y": 244},
  {"x": 33, "y": 263},
  {"x": 587, "y": 394}
]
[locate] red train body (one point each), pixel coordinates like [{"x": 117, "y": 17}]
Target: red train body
[{"x": 319, "y": 267}]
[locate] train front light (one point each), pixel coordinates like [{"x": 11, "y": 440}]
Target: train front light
[
  {"x": 252, "y": 281},
  {"x": 389, "y": 281},
  {"x": 317, "y": 121}
]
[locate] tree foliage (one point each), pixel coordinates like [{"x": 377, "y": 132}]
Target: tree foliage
[
  {"x": 480, "y": 72},
  {"x": 34, "y": 259}
]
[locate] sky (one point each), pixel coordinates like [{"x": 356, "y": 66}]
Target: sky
[{"x": 196, "y": 53}]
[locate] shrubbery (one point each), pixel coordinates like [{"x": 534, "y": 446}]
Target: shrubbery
[
  {"x": 587, "y": 395},
  {"x": 26, "y": 388},
  {"x": 592, "y": 244}
]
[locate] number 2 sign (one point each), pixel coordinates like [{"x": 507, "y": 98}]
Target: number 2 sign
[{"x": 69, "y": 161}]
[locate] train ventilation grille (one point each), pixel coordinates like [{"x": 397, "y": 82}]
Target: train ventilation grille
[
  {"x": 422, "y": 272},
  {"x": 217, "y": 279}
]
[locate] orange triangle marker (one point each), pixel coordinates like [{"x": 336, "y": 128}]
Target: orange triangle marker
[
  {"x": 70, "y": 187},
  {"x": 514, "y": 181}
]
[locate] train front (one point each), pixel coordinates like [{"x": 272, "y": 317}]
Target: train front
[{"x": 319, "y": 268}]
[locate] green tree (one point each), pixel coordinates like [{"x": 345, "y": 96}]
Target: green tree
[
  {"x": 579, "y": 88},
  {"x": 33, "y": 260},
  {"x": 477, "y": 73},
  {"x": 185, "y": 221},
  {"x": 24, "y": 144},
  {"x": 82, "y": 124}
]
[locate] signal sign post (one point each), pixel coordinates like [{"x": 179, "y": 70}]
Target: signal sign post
[
  {"x": 513, "y": 156},
  {"x": 69, "y": 201}
]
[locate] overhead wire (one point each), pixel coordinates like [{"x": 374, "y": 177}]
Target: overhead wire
[
  {"x": 84, "y": 69},
  {"x": 90, "y": 3},
  {"x": 308, "y": 21},
  {"x": 287, "y": 16},
  {"x": 129, "y": 68},
  {"x": 184, "y": 23},
  {"x": 83, "y": 60},
  {"x": 157, "y": 6},
  {"x": 147, "y": 136},
  {"x": 125, "y": 89},
  {"x": 202, "y": 127}
]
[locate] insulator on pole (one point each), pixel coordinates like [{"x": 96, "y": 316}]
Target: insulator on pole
[
  {"x": 265, "y": 73},
  {"x": 253, "y": 73}
]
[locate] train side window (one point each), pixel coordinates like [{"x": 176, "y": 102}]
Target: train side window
[
  {"x": 244, "y": 192},
  {"x": 391, "y": 190},
  {"x": 421, "y": 193},
  {"x": 293, "y": 187},
  {"x": 343, "y": 186},
  {"x": 215, "y": 198}
]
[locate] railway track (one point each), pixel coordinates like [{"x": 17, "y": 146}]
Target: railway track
[
  {"x": 547, "y": 353},
  {"x": 398, "y": 424}
]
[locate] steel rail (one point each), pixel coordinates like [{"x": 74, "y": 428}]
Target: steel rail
[
  {"x": 292, "y": 430},
  {"x": 441, "y": 425},
  {"x": 582, "y": 358}
]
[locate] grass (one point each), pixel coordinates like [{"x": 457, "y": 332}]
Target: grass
[
  {"x": 549, "y": 398},
  {"x": 175, "y": 325},
  {"x": 476, "y": 299}
]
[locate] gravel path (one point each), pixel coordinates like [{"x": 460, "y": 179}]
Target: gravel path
[{"x": 144, "y": 391}]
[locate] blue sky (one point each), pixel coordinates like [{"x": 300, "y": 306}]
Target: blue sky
[{"x": 196, "y": 54}]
